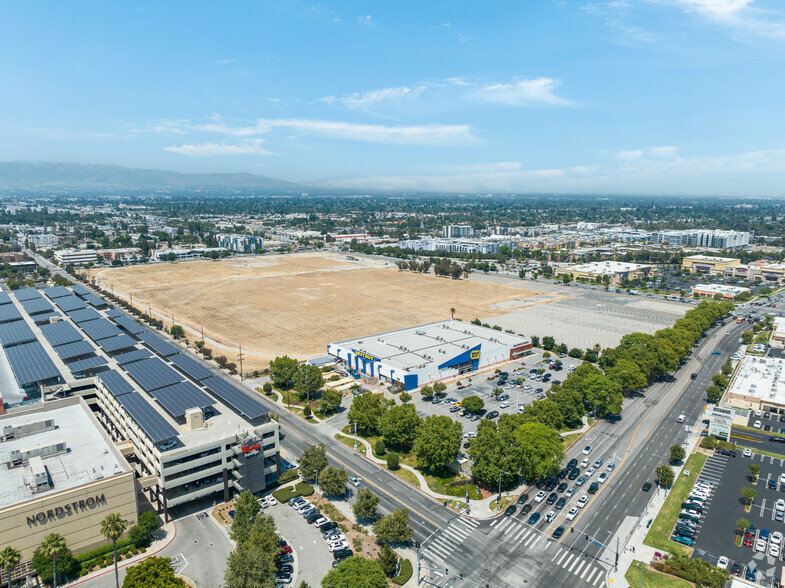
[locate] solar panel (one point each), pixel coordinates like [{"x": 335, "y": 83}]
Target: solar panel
[
  {"x": 94, "y": 300},
  {"x": 57, "y": 292},
  {"x": 60, "y": 333},
  {"x": 4, "y": 298},
  {"x": 116, "y": 343},
  {"x": 100, "y": 329},
  {"x": 178, "y": 398},
  {"x": 15, "y": 333},
  {"x": 75, "y": 349},
  {"x": 131, "y": 356},
  {"x": 44, "y": 317},
  {"x": 86, "y": 364},
  {"x": 83, "y": 315},
  {"x": 35, "y": 306},
  {"x": 129, "y": 324},
  {"x": 158, "y": 344},
  {"x": 235, "y": 397},
  {"x": 148, "y": 419},
  {"x": 79, "y": 290},
  {"x": 115, "y": 383},
  {"x": 70, "y": 303},
  {"x": 26, "y": 294},
  {"x": 113, "y": 313},
  {"x": 152, "y": 373},
  {"x": 9, "y": 313},
  {"x": 30, "y": 363},
  {"x": 190, "y": 366}
]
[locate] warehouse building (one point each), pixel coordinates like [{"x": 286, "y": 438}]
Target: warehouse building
[
  {"x": 420, "y": 355},
  {"x": 617, "y": 270},
  {"x": 759, "y": 384}
]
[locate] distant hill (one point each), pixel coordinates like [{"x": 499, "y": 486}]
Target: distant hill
[{"x": 34, "y": 175}]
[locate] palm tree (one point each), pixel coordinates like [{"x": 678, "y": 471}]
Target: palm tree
[
  {"x": 113, "y": 527},
  {"x": 9, "y": 557},
  {"x": 452, "y": 312},
  {"x": 52, "y": 546}
]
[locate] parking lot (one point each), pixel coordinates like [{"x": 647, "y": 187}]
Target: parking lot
[{"x": 716, "y": 532}]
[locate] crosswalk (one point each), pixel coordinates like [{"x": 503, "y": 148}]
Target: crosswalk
[
  {"x": 580, "y": 567},
  {"x": 445, "y": 543}
]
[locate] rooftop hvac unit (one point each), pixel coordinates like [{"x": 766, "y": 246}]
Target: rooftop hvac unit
[{"x": 55, "y": 319}]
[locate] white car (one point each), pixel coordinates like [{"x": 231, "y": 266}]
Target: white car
[
  {"x": 780, "y": 505},
  {"x": 582, "y": 501},
  {"x": 338, "y": 545},
  {"x": 585, "y": 462},
  {"x": 355, "y": 481},
  {"x": 571, "y": 514},
  {"x": 681, "y": 418},
  {"x": 540, "y": 496},
  {"x": 527, "y": 387},
  {"x": 747, "y": 452},
  {"x": 723, "y": 562},
  {"x": 320, "y": 521},
  {"x": 774, "y": 551},
  {"x": 271, "y": 501},
  {"x": 602, "y": 478},
  {"x": 587, "y": 450},
  {"x": 589, "y": 472},
  {"x": 756, "y": 424},
  {"x": 550, "y": 516},
  {"x": 760, "y": 545},
  {"x": 504, "y": 405},
  {"x": 776, "y": 538}
]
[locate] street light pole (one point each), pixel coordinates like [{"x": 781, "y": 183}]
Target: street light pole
[
  {"x": 500, "y": 487},
  {"x": 355, "y": 436}
]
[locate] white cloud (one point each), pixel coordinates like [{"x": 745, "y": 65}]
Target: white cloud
[
  {"x": 464, "y": 38},
  {"x": 669, "y": 152},
  {"x": 367, "y": 99},
  {"x": 717, "y": 7},
  {"x": 365, "y": 19},
  {"x": 522, "y": 93},
  {"x": 630, "y": 155},
  {"x": 252, "y": 147}
]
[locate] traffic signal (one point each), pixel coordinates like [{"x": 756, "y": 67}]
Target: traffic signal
[{"x": 587, "y": 537}]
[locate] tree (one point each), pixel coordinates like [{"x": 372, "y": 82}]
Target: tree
[
  {"x": 245, "y": 510},
  {"x": 426, "y": 392},
  {"x": 388, "y": 560},
  {"x": 548, "y": 343},
  {"x": 176, "y": 331},
  {"x": 541, "y": 450},
  {"x": 473, "y": 403},
  {"x": 405, "y": 397},
  {"x": 452, "y": 313},
  {"x": 394, "y": 528},
  {"x": 356, "y": 572},
  {"x": 252, "y": 563},
  {"x": 149, "y": 522},
  {"x": 393, "y": 461},
  {"x": 153, "y": 572},
  {"x": 399, "y": 425},
  {"x": 366, "y": 410},
  {"x": 665, "y": 475},
  {"x": 713, "y": 393},
  {"x": 307, "y": 412},
  {"x": 743, "y": 525},
  {"x": 754, "y": 471},
  {"x": 282, "y": 371},
  {"x": 9, "y": 557},
  {"x": 748, "y": 494},
  {"x": 113, "y": 527},
  {"x": 627, "y": 374},
  {"x": 747, "y": 337},
  {"x": 438, "y": 442},
  {"x": 677, "y": 453},
  {"x": 313, "y": 460},
  {"x": 267, "y": 388},
  {"x": 332, "y": 481},
  {"x": 439, "y": 387},
  {"x": 52, "y": 546},
  {"x": 535, "y": 341},
  {"x": 307, "y": 380},
  {"x": 330, "y": 401},
  {"x": 575, "y": 352},
  {"x": 365, "y": 504}
]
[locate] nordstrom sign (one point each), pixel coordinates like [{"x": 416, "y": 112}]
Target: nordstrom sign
[{"x": 66, "y": 510}]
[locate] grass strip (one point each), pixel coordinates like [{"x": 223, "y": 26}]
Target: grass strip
[{"x": 651, "y": 578}]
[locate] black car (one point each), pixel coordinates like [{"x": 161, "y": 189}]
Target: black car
[
  {"x": 772, "y": 484},
  {"x": 552, "y": 497},
  {"x": 510, "y": 510},
  {"x": 526, "y": 509},
  {"x": 283, "y": 576},
  {"x": 534, "y": 518},
  {"x": 550, "y": 484},
  {"x": 562, "y": 473},
  {"x": 324, "y": 527},
  {"x": 523, "y": 499},
  {"x": 314, "y": 517},
  {"x": 776, "y": 439},
  {"x": 562, "y": 487},
  {"x": 482, "y": 412},
  {"x": 285, "y": 558},
  {"x": 285, "y": 568},
  {"x": 692, "y": 506},
  {"x": 646, "y": 486},
  {"x": 561, "y": 502},
  {"x": 558, "y": 532},
  {"x": 492, "y": 415},
  {"x": 574, "y": 473},
  {"x": 342, "y": 553},
  {"x": 572, "y": 463},
  {"x": 593, "y": 487}
]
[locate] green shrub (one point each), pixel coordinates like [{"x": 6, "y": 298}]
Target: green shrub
[
  {"x": 304, "y": 489},
  {"x": 268, "y": 388},
  {"x": 288, "y": 476},
  {"x": 285, "y": 494},
  {"x": 393, "y": 461},
  {"x": 404, "y": 574},
  {"x": 380, "y": 448}
]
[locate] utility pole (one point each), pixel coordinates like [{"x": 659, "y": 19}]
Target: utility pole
[
  {"x": 240, "y": 359},
  {"x": 417, "y": 550},
  {"x": 355, "y": 436},
  {"x": 202, "y": 333}
]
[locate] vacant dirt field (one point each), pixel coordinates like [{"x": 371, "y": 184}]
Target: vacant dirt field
[{"x": 297, "y": 304}]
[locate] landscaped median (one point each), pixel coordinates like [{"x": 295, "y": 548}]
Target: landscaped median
[
  {"x": 659, "y": 534},
  {"x": 651, "y": 578},
  {"x": 286, "y": 493}
]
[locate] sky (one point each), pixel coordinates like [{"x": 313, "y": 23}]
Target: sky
[{"x": 548, "y": 96}]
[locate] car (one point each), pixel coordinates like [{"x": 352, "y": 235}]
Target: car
[
  {"x": 735, "y": 569},
  {"x": 683, "y": 540},
  {"x": 285, "y": 558},
  {"x": 760, "y": 545},
  {"x": 510, "y": 510},
  {"x": 355, "y": 481},
  {"x": 560, "y": 503},
  {"x": 779, "y": 516},
  {"x": 603, "y": 477},
  {"x": 646, "y": 486},
  {"x": 571, "y": 514},
  {"x": 587, "y": 450},
  {"x": 764, "y": 534},
  {"x": 589, "y": 472},
  {"x": 681, "y": 418},
  {"x": 580, "y": 481},
  {"x": 574, "y": 473},
  {"x": 342, "y": 553},
  {"x": 776, "y": 538},
  {"x": 748, "y": 539},
  {"x": 523, "y": 499},
  {"x": 526, "y": 509},
  {"x": 535, "y": 516},
  {"x": 747, "y": 452},
  {"x": 552, "y": 497},
  {"x": 562, "y": 487},
  {"x": 569, "y": 491},
  {"x": 780, "y": 505},
  {"x": 332, "y": 533},
  {"x": 492, "y": 415},
  {"x": 585, "y": 463},
  {"x": 593, "y": 487},
  {"x": 750, "y": 573},
  {"x": 329, "y": 526},
  {"x": 716, "y": 352},
  {"x": 320, "y": 521},
  {"x": 550, "y": 516},
  {"x": 582, "y": 501},
  {"x": 572, "y": 463},
  {"x": 283, "y": 577},
  {"x": 756, "y": 424},
  {"x": 777, "y": 439},
  {"x": 271, "y": 501},
  {"x": 558, "y": 532},
  {"x": 540, "y": 496},
  {"x": 550, "y": 484},
  {"x": 286, "y": 549},
  {"x": 310, "y": 519},
  {"x": 286, "y": 568},
  {"x": 504, "y": 405},
  {"x": 598, "y": 463}
]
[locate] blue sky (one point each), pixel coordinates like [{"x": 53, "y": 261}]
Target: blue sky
[{"x": 588, "y": 96}]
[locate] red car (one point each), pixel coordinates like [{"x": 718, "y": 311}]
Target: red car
[
  {"x": 286, "y": 549},
  {"x": 748, "y": 538}
]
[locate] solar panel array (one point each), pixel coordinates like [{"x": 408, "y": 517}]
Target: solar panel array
[
  {"x": 15, "y": 333},
  {"x": 57, "y": 292},
  {"x": 30, "y": 363},
  {"x": 26, "y": 294},
  {"x": 44, "y": 317},
  {"x": 60, "y": 333},
  {"x": 70, "y": 303},
  {"x": 75, "y": 349},
  {"x": 83, "y": 315},
  {"x": 115, "y": 383},
  {"x": 35, "y": 305},
  {"x": 190, "y": 366},
  {"x": 132, "y": 356},
  {"x": 113, "y": 313},
  {"x": 158, "y": 344},
  {"x": 86, "y": 364},
  {"x": 9, "y": 313},
  {"x": 4, "y": 298},
  {"x": 95, "y": 300},
  {"x": 79, "y": 290},
  {"x": 178, "y": 398},
  {"x": 116, "y": 343},
  {"x": 128, "y": 323},
  {"x": 235, "y": 397},
  {"x": 152, "y": 423},
  {"x": 100, "y": 329},
  {"x": 152, "y": 373}
]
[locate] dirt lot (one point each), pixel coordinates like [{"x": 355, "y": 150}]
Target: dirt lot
[{"x": 297, "y": 304}]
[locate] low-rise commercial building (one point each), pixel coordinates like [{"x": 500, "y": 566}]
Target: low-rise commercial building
[
  {"x": 724, "y": 290},
  {"x": 759, "y": 384},
  {"x": 75, "y": 256},
  {"x": 777, "y": 339},
  {"x": 706, "y": 264},
  {"x": 617, "y": 271}
]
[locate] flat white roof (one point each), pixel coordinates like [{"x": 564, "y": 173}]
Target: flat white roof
[
  {"x": 608, "y": 267},
  {"x": 711, "y": 258},
  {"x": 761, "y": 377},
  {"x": 720, "y": 289}
]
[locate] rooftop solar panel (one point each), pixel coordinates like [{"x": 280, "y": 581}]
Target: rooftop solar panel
[
  {"x": 57, "y": 292},
  {"x": 75, "y": 349},
  {"x": 178, "y": 398},
  {"x": 94, "y": 300},
  {"x": 30, "y": 363},
  {"x": 116, "y": 343},
  {"x": 86, "y": 364},
  {"x": 4, "y": 298},
  {"x": 190, "y": 366},
  {"x": 115, "y": 382},
  {"x": 129, "y": 324},
  {"x": 100, "y": 329},
  {"x": 60, "y": 333},
  {"x": 83, "y": 315},
  {"x": 15, "y": 333},
  {"x": 44, "y": 317},
  {"x": 9, "y": 313},
  {"x": 158, "y": 344},
  {"x": 69, "y": 303},
  {"x": 26, "y": 294},
  {"x": 131, "y": 356},
  {"x": 35, "y": 306},
  {"x": 79, "y": 290},
  {"x": 113, "y": 313},
  {"x": 152, "y": 373},
  {"x": 235, "y": 397},
  {"x": 148, "y": 419}
]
